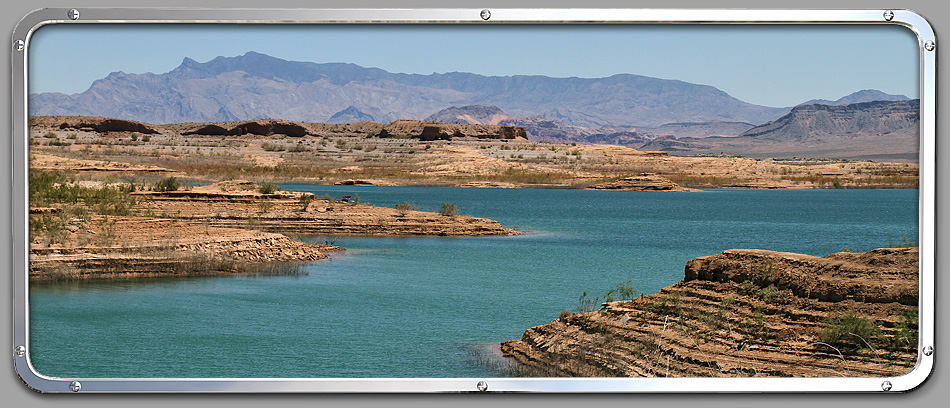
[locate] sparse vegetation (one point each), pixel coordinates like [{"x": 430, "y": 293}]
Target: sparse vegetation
[
  {"x": 268, "y": 188},
  {"x": 849, "y": 330},
  {"x": 167, "y": 184},
  {"x": 448, "y": 210},
  {"x": 404, "y": 208}
]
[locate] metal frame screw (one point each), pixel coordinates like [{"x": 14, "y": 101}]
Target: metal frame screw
[
  {"x": 886, "y": 385},
  {"x": 928, "y": 351},
  {"x": 485, "y": 14},
  {"x": 73, "y": 14},
  {"x": 482, "y": 386},
  {"x": 930, "y": 45},
  {"x": 19, "y": 45},
  {"x": 19, "y": 351},
  {"x": 888, "y": 15},
  {"x": 75, "y": 386}
]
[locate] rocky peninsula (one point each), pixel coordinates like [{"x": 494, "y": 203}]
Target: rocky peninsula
[{"x": 745, "y": 313}]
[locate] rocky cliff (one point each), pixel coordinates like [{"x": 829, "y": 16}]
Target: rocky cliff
[{"x": 746, "y": 313}]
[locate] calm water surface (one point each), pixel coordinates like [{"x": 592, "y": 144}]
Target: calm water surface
[{"x": 429, "y": 306}]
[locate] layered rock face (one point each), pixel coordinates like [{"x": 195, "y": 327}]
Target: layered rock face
[
  {"x": 746, "y": 313},
  {"x": 236, "y": 204},
  {"x": 137, "y": 247},
  {"x": 824, "y": 122},
  {"x": 641, "y": 182}
]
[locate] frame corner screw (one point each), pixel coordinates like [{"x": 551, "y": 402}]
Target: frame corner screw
[
  {"x": 928, "y": 351},
  {"x": 73, "y": 14},
  {"x": 886, "y": 386},
  {"x": 75, "y": 386},
  {"x": 19, "y": 351},
  {"x": 482, "y": 386},
  {"x": 485, "y": 14},
  {"x": 19, "y": 45},
  {"x": 930, "y": 45},
  {"x": 888, "y": 15}
]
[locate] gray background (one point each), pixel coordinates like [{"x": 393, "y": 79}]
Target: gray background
[{"x": 933, "y": 391}]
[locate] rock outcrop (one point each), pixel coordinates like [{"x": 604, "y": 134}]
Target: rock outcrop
[
  {"x": 258, "y": 127},
  {"x": 641, "y": 182},
  {"x": 138, "y": 247},
  {"x": 92, "y": 123},
  {"x": 746, "y": 313},
  {"x": 224, "y": 205}
]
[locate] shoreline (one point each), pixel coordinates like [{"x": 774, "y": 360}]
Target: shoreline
[
  {"x": 224, "y": 228},
  {"x": 745, "y": 313}
]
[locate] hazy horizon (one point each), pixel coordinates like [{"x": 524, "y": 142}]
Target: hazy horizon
[{"x": 789, "y": 64}]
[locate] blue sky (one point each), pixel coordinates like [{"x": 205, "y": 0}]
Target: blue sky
[{"x": 766, "y": 65}]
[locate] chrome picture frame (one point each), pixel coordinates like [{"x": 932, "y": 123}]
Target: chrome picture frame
[{"x": 927, "y": 207}]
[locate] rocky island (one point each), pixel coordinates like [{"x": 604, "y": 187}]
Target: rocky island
[{"x": 745, "y": 313}]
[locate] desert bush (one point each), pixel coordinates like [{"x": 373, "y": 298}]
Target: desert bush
[
  {"x": 265, "y": 206},
  {"x": 907, "y": 329},
  {"x": 268, "y": 188},
  {"x": 564, "y": 314},
  {"x": 623, "y": 291},
  {"x": 849, "y": 330},
  {"x": 404, "y": 208},
  {"x": 167, "y": 184},
  {"x": 298, "y": 148},
  {"x": 587, "y": 304},
  {"x": 272, "y": 147},
  {"x": 305, "y": 200},
  {"x": 767, "y": 294},
  {"x": 449, "y": 210}
]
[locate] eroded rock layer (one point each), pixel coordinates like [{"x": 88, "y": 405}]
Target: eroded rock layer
[{"x": 746, "y": 313}]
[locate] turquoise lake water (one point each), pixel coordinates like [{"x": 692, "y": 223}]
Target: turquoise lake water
[{"x": 430, "y": 306}]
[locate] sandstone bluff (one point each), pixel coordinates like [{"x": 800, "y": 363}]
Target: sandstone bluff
[{"x": 746, "y": 313}]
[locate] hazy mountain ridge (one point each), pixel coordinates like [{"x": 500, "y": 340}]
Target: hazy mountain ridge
[
  {"x": 254, "y": 86},
  {"x": 877, "y": 130},
  {"x": 865, "y": 95}
]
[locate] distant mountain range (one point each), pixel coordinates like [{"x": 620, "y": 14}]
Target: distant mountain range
[
  {"x": 877, "y": 130},
  {"x": 866, "y": 95},
  {"x": 632, "y": 110},
  {"x": 255, "y": 86}
]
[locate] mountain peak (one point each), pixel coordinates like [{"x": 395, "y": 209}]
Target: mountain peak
[
  {"x": 350, "y": 115},
  {"x": 471, "y": 114},
  {"x": 864, "y": 95}
]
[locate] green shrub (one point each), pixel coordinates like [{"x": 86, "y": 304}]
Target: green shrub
[
  {"x": 849, "y": 330},
  {"x": 305, "y": 200},
  {"x": 586, "y": 304},
  {"x": 623, "y": 291},
  {"x": 907, "y": 329},
  {"x": 265, "y": 206},
  {"x": 767, "y": 294},
  {"x": 404, "y": 208},
  {"x": 268, "y": 188},
  {"x": 449, "y": 210},
  {"x": 167, "y": 184}
]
